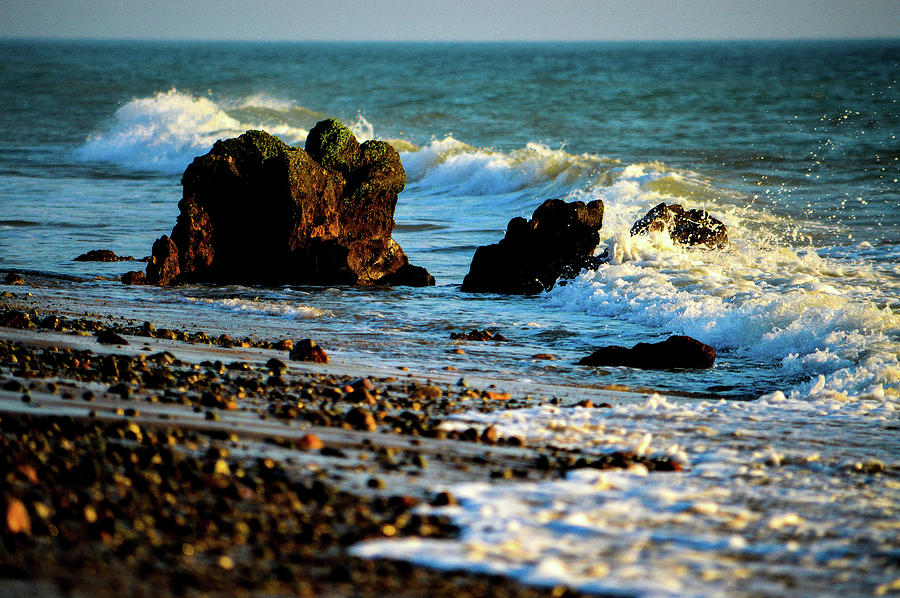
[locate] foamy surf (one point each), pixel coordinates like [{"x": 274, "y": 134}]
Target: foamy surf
[
  {"x": 821, "y": 320},
  {"x": 765, "y": 482},
  {"x": 164, "y": 132}
]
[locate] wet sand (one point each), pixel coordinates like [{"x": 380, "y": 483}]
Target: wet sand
[{"x": 181, "y": 464}]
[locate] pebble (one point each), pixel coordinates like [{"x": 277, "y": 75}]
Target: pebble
[
  {"x": 17, "y": 519},
  {"x": 108, "y": 337},
  {"x": 427, "y": 392},
  {"x": 276, "y": 366},
  {"x": 361, "y": 419},
  {"x": 490, "y": 435},
  {"x": 310, "y": 442}
]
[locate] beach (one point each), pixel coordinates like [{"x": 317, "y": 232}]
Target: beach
[
  {"x": 455, "y": 441},
  {"x": 177, "y": 422},
  {"x": 318, "y": 468}
]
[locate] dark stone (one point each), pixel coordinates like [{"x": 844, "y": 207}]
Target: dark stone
[
  {"x": 490, "y": 435},
  {"x": 134, "y": 277},
  {"x": 360, "y": 419},
  {"x": 277, "y": 366},
  {"x": 688, "y": 227},
  {"x": 255, "y": 210},
  {"x": 408, "y": 276},
  {"x": 675, "y": 352},
  {"x": 479, "y": 336},
  {"x": 15, "y": 319},
  {"x": 163, "y": 267},
  {"x": 108, "y": 337},
  {"x": 557, "y": 242},
  {"x": 308, "y": 350},
  {"x": 102, "y": 255},
  {"x": 51, "y": 322},
  {"x": 13, "y": 278}
]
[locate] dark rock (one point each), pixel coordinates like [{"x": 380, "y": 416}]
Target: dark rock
[
  {"x": 51, "y": 322},
  {"x": 13, "y": 278},
  {"x": 102, "y": 255},
  {"x": 490, "y": 435},
  {"x": 277, "y": 366},
  {"x": 134, "y": 277},
  {"x": 443, "y": 499},
  {"x": 408, "y": 276},
  {"x": 674, "y": 352},
  {"x": 163, "y": 268},
  {"x": 360, "y": 419},
  {"x": 284, "y": 345},
  {"x": 688, "y": 227},
  {"x": 121, "y": 389},
  {"x": 15, "y": 319},
  {"x": 255, "y": 210},
  {"x": 478, "y": 336},
  {"x": 308, "y": 350},
  {"x": 557, "y": 242},
  {"x": 108, "y": 337}
]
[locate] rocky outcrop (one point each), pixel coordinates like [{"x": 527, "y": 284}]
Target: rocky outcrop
[
  {"x": 688, "y": 227},
  {"x": 255, "y": 210},
  {"x": 558, "y": 241},
  {"x": 103, "y": 255},
  {"x": 676, "y": 352}
]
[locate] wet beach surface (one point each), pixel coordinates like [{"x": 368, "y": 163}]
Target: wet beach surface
[{"x": 180, "y": 464}]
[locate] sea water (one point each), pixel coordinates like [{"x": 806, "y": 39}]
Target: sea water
[{"x": 792, "y": 144}]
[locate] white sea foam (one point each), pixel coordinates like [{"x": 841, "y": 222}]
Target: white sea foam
[
  {"x": 263, "y": 307},
  {"x": 771, "y": 500},
  {"x": 166, "y": 131},
  {"x": 759, "y": 299},
  {"x": 450, "y": 166}
]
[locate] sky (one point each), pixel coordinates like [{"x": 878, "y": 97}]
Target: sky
[{"x": 450, "y": 20}]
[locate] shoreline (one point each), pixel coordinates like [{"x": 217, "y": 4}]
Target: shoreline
[{"x": 369, "y": 434}]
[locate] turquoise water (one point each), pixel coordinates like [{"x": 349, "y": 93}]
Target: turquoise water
[
  {"x": 790, "y": 490},
  {"x": 792, "y": 144}
]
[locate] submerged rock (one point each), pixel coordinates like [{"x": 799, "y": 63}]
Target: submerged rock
[
  {"x": 558, "y": 241},
  {"x": 255, "y": 210},
  {"x": 688, "y": 227},
  {"x": 675, "y": 352},
  {"x": 102, "y": 255}
]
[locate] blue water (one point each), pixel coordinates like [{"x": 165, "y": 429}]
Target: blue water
[{"x": 792, "y": 144}]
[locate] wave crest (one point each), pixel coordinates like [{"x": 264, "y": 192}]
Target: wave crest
[{"x": 164, "y": 132}]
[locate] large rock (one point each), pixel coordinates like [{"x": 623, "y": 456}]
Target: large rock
[
  {"x": 688, "y": 227},
  {"x": 675, "y": 352},
  {"x": 255, "y": 210},
  {"x": 557, "y": 242}
]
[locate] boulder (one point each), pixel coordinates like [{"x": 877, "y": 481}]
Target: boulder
[
  {"x": 558, "y": 241},
  {"x": 135, "y": 277},
  {"x": 257, "y": 211},
  {"x": 676, "y": 352},
  {"x": 688, "y": 227}
]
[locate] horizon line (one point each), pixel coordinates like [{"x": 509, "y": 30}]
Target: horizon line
[{"x": 446, "y": 41}]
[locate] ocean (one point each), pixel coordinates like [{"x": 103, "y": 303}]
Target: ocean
[{"x": 792, "y": 144}]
